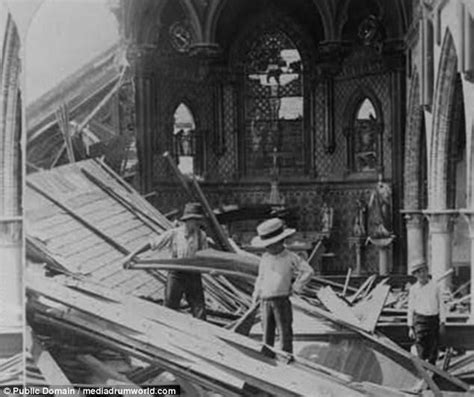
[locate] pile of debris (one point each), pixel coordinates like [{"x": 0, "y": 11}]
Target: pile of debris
[{"x": 92, "y": 320}]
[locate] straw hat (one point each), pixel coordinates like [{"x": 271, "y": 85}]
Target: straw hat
[
  {"x": 417, "y": 265},
  {"x": 192, "y": 211},
  {"x": 270, "y": 232}
]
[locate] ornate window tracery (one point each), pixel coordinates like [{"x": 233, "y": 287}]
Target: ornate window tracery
[
  {"x": 184, "y": 136},
  {"x": 273, "y": 101},
  {"x": 364, "y": 137}
]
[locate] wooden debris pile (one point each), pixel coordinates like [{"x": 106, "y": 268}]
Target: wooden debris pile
[
  {"x": 82, "y": 221},
  {"x": 200, "y": 353}
]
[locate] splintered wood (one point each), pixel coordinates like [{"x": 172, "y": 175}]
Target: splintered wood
[
  {"x": 190, "y": 347},
  {"x": 83, "y": 220}
]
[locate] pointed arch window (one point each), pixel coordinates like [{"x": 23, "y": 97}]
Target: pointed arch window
[
  {"x": 185, "y": 142},
  {"x": 273, "y": 106},
  {"x": 364, "y": 139}
]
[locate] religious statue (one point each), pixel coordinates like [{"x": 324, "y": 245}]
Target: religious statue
[
  {"x": 327, "y": 217},
  {"x": 380, "y": 206},
  {"x": 359, "y": 228},
  {"x": 185, "y": 142},
  {"x": 371, "y": 33}
]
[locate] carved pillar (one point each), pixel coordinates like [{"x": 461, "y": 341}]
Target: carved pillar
[
  {"x": 397, "y": 85},
  {"x": 358, "y": 243},
  {"x": 469, "y": 216},
  {"x": 414, "y": 236},
  {"x": 441, "y": 231},
  {"x": 141, "y": 58},
  {"x": 427, "y": 61}
]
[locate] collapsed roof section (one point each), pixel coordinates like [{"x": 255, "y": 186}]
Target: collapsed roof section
[
  {"x": 85, "y": 109},
  {"x": 82, "y": 219}
]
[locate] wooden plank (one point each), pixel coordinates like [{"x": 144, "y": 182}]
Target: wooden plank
[
  {"x": 190, "y": 268},
  {"x": 176, "y": 364},
  {"x": 382, "y": 344},
  {"x": 189, "y": 339},
  {"x": 181, "y": 178},
  {"x": 369, "y": 309},
  {"x": 135, "y": 211},
  {"x": 80, "y": 219},
  {"x": 216, "y": 226},
  {"x": 239, "y": 364},
  {"x": 337, "y": 306},
  {"x": 62, "y": 117}
]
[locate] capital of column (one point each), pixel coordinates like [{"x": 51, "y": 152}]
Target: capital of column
[
  {"x": 413, "y": 218},
  {"x": 468, "y": 215},
  {"x": 441, "y": 221}
]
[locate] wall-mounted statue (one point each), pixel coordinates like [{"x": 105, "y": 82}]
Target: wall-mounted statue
[
  {"x": 359, "y": 227},
  {"x": 380, "y": 206},
  {"x": 327, "y": 216}
]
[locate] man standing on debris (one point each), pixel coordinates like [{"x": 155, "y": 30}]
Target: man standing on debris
[
  {"x": 274, "y": 282},
  {"x": 183, "y": 242},
  {"x": 426, "y": 313}
]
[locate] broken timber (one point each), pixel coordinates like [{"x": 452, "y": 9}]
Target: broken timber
[{"x": 202, "y": 351}]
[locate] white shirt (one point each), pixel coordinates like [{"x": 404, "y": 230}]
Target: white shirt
[
  {"x": 276, "y": 271},
  {"x": 426, "y": 300},
  {"x": 180, "y": 243}
]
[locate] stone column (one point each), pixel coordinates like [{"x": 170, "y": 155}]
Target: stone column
[
  {"x": 441, "y": 230},
  {"x": 358, "y": 243},
  {"x": 414, "y": 236},
  {"x": 469, "y": 216},
  {"x": 11, "y": 292},
  {"x": 142, "y": 60}
]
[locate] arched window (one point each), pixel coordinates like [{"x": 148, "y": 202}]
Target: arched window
[
  {"x": 365, "y": 142},
  {"x": 273, "y": 101},
  {"x": 184, "y": 134}
]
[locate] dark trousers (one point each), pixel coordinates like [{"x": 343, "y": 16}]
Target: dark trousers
[
  {"x": 427, "y": 337},
  {"x": 277, "y": 313},
  {"x": 188, "y": 284}
]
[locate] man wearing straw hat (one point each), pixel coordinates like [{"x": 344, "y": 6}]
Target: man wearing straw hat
[
  {"x": 274, "y": 282},
  {"x": 426, "y": 312},
  {"x": 183, "y": 242}
]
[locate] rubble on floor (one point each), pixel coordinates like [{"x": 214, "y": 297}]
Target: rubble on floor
[{"x": 93, "y": 319}]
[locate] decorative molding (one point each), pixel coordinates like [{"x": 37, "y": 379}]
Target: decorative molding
[{"x": 441, "y": 221}]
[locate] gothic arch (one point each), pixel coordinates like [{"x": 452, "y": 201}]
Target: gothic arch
[
  {"x": 413, "y": 150},
  {"x": 442, "y": 114},
  {"x": 275, "y": 20},
  {"x": 356, "y": 98},
  {"x": 359, "y": 95},
  {"x": 389, "y": 11}
]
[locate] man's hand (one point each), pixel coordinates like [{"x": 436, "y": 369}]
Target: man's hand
[
  {"x": 442, "y": 330},
  {"x": 297, "y": 289},
  {"x": 411, "y": 333}
]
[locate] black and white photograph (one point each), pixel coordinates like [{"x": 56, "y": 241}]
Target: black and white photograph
[{"x": 212, "y": 198}]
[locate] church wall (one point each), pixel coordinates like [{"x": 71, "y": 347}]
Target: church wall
[
  {"x": 204, "y": 86},
  {"x": 334, "y": 167},
  {"x": 331, "y": 182}
]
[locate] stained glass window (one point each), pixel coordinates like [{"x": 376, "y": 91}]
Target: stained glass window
[
  {"x": 184, "y": 138},
  {"x": 366, "y": 131},
  {"x": 273, "y": 105}
]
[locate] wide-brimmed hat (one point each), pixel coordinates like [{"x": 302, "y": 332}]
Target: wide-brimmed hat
[
  {"x": 270, "y": 232},
  {"x": 417, "y": 265},
  {"x": 192, "y": 211}
]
